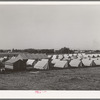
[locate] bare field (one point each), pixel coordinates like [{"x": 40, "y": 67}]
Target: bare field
[{"x": 62, "y": 79}]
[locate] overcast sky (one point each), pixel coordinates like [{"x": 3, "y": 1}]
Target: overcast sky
[{"x": 27, "y": 26}]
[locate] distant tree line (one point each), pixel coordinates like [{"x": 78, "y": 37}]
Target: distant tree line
[
  {"x": 2, "y": 51},
  {"x": 49, "y": 51},
  {"x": 64, "y": 50}
]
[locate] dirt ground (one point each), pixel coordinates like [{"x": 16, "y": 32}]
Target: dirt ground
[{"x": 62, "y": 79}]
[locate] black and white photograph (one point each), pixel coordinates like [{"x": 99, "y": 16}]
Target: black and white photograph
[{"x": 49, "y": 47}]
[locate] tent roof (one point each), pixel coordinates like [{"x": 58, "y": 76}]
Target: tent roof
[
  {"x": 66, "y": 55},
  {"x": 30, "y": 62},
  {"x": 55, "y": 60},
  {"x": 60, "y": 64},
  {"x": 70, "y": 54},
  {"x": 40, "y": 64},
  {"x": 97, "y": 62},
  {"x": 60, "y": 56},
  {"x": 87, "y": 62},
  {"x": 11, "y": 61},
  {"x": 75, "y": 62},
  {"x": 49, "y": 56},
  {"x": 44, "y": 60},
  {"x": 24, "y": 56},
  {"x": 54, "y": 56}
]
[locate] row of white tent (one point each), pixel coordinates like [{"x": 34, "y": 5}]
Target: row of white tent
[
  {"x": 42, "y": 64},
  {"x": 73, "y": 56},
  {"x": 3, "y": 58},
  {"x": 57, "y": 63},
  {"x": 23, "y": 60},
  {"x": 76, "y": 63}
]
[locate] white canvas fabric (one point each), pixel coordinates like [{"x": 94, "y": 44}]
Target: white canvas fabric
[
  {"x": 54, "y": 61},
  {"x": 49, "y": 56},
  {"x": 99, "y": 54},
  {"x": 60, "y": 56},
  {"x": 13, "y": 57},
  {"x": 73, "y": 57},
  {"x": 75, "y": 54},
  {"x": 75, "y": 63},
  {"x": 90, "y": 55},
  {"x": 79, "y": 58},
  {"x": 1, "y": 59},
  {"x": 96, "y": 55},
  {"x": 45, "y": 60},
  {"x": 9, "y": 67},
  {"x": 66, "y": 55},
  {"x": 61, "y": 64},
  {"x": 70, "y": 55},
  {"x": 11, "y": 61},
  {"x": 30, "y": 62},
  {"x": 5, "y": 57},
  {"x": 94, "y": 58},
  {"x": 97, "y": 61},
  {"x": 85, "y": 56},
  {"x": 41, "y": 65},
  {"x": 87, "y": 62},
  {"x": 54, "y": 56},
  {"x": 21, "y": 56},
  {"x": 80, "y": 55},
  {"x": 64, "y": 59}
]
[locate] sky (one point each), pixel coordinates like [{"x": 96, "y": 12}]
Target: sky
[{"x": 50, "y": 26}]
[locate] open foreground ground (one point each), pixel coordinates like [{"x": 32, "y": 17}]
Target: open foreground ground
[{"x": 62, "y": 79}]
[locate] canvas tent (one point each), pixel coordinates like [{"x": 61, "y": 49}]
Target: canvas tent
[
  {"x": 66, "y": 55},
  {"x": 61, "y": 64},
  {"x": 54, "y": 61},
  {"x": 22, "y": 56},
  {"x": 49, "y": 56},
  {"x": 54, "y": 56},
  {"x": 13, "y": 57},
  {"x": 97, "y": 61},
  {"x": 60, "y": 56},
  {"x": 43, "y": 65},
  {"x": 25, "y": 56},
  {"x": 15, "y": 64},
  {"x": 43, "y": 56},
  {"x": 70, "y": 55},
  {"x": 80, "y": 56},
  {"x": 45, "y": 60},
  {"x": 88, "y": 62},
  {"x": 96, "y": 55},
  {"x": 73, "y": 57},
  {"x": 30, "y": 62},
  {"x": 1, "y": 59},
  {"x": 76, "y": 63},
  {"x": 64, "y": 59},
  {"x": 85, "y": 56},
  {"x": 75, "y": 54}
]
